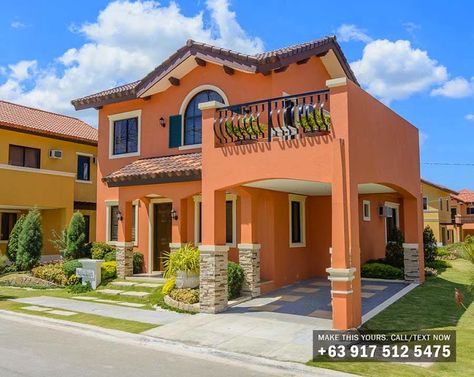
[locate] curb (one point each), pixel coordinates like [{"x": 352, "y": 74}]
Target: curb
[{"x": 276, "y": 367}]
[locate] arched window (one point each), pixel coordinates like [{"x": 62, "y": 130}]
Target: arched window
[{"x": 192, "y": 116}]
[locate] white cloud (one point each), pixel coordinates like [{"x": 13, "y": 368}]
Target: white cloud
[
  {"x": 469, "y": 117},
  {"x": 17, "y": 25},
  {"x": 127, "y": 40},
  {"x": 458, "y": 87},
  {"x": 23, "y": 70},
  {"x": 396, "y": 70},
  {"x": 346, "y": 33}
]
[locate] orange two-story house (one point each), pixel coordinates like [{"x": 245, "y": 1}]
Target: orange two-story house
[{"x": 278, "y": 161}]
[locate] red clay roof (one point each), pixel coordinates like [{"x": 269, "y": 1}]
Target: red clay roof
[
  {"x": 181, "y": 167},
  {"x": 465, "y": 195},
  {"x": 258, "y": 63},
  {"x": 36, "y": 121}
]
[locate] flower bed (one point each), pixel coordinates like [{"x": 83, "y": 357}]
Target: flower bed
[{"x": 192, "y": 308}]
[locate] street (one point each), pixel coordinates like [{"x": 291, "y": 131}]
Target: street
[{"x": 30, "y": 350}]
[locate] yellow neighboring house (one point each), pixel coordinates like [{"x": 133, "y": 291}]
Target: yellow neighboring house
[
  {"x": 437, "y": 211},
  {"x": 47, "y": 161}
]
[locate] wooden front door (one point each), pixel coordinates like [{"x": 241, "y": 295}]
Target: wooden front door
[{"x": 161, "y": 233}]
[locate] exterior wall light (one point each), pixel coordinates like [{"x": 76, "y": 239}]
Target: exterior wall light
[
  {"x": 162, "y": 122},
  {"x": 119, "y": 216},
  {"x": 174, "y": 215}
]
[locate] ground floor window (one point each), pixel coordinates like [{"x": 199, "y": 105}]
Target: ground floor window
[
  {"x": 392, "y": 221},
  {"x": 112, "y": 211},
  {"x": 87, "y": 222},
  {"x": 230, "y": 220},
  {"x": 297, "y": 220},
  {"x": 135, "y": 223},
  {"x": 366, "y": 210},
  {"x": 7, "y": 220}
]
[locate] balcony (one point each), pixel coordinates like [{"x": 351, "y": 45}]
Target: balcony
[
  {"x": 464, "y": 219},
  {"x": 288, "y": 117}
]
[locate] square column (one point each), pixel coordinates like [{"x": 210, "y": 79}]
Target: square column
[
  {"x": 213, "y": 290},
  {"x": 249, "y": 260},
  {"x": 411, "y": 266}
]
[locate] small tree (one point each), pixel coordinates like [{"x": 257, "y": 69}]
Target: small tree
[
  {"x": 394, "y": 249},
  {"x": 30, "y": 241},
  {"x": 429, "y": 244},
  {"x": 12, "y": 246},
  {"x": 75, "y": 237}
]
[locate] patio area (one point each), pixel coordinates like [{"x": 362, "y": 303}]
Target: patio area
[{"x": 312, "y": 298}]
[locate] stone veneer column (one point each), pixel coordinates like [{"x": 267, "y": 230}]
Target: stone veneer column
[
  {"x": 249, "y": 260},
  {"x": 411, "y": 261},
  {"x": 213, "y": 290},
  {"x": 124, "y": 259}
]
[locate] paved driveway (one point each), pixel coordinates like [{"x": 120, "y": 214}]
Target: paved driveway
[{"x": 312, "y": 298}]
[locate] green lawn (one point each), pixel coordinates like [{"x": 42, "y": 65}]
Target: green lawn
[{"x": 430, "y": 306}]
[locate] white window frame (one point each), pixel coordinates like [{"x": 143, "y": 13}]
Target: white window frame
[
  {"x": 91, "y": 156},
  {"x": 135, "y": 208},
  {"x": 228, "y": 197},
  {"x": 423, "y": 203},
  {"x": 108, "y": 205},
  {"x": 121, "y": 116},
  {"x": 366, "y": 203},
  {"x": 185, "y": 104},
  {"x": 302, "y": 200}
]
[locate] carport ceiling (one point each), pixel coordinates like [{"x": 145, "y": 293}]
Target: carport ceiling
[{"x": 312, "y": 188}]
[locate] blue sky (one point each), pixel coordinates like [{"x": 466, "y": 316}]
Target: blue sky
[{"x": 415, "y": 56}]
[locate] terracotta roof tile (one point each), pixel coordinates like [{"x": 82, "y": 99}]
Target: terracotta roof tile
[
  {"x": 42, "y": 122},
  {"x": 465, "y": 195},
  {"x": 263, "y": 62},
  {"x": 156, "y": 168}
]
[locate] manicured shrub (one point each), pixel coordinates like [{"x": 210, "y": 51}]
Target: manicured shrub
[
  {"x": 438, "y": 264},
  {"x": 169, "y": 286},
  {"x": 99, "y": 249},
  {"x": 110, "y": 256},
  {"x": 3, "y": 263},
  {"x": 186, "y": 295},
  {"x": 52, "y": 272},
  {"x": 79, "y": 288},
  {"x": 186, "y": 259},
  {"x": 394, "y": 249},
  {"x": 235, "y": 278},
  {"x": 12, "y": 246},
  {"x": 138, "y": 262},
  {"x": 381, "y": 271},
  {"x": 70, "y": 267},
  {"x": 429, "y": 244},
  {"x": 109, "y": 270},
  {"x": 30, "y": 242},
  {"x": 75, "y": 237}
]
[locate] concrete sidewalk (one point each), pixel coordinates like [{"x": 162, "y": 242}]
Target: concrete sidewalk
[
  {"x": 158, "y": 317},
  {"x": 277, "y": 336}
]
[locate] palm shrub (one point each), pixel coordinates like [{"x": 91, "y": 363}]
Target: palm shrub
[
  {"x": 75, "y": 237},
  {"x": 429, "y": 244},
  {"x": 59, "y": 240},
  {"x": 12, "y": 246},
  {"x": 185, "y": 259},
  {"x": 394, "y": 249},
  {"x": 30, "y": 241}
]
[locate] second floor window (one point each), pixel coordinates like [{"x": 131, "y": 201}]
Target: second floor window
[
  {"x": 193, "y": 118},
  {"x": 125, "y": 136},
  {"x": 24, "y": 156},
  {"x": 83, "y": 168},
  {"x": 470, "y": 210}
]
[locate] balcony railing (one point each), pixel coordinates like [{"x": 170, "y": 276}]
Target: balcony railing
[
  {"x": 464, "y": 219},
  {"x": 305, "y": 114}
]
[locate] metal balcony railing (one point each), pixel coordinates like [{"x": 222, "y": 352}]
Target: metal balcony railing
[{"x": 304, "y": 114}]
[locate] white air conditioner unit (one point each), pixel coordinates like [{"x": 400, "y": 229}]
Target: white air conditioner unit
[
  {"x": 55, "y": 153},
  {"x": 385, "y": 211}
]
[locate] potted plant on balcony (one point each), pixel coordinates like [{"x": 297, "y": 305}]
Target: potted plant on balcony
[{"x": 183, "y": 264}]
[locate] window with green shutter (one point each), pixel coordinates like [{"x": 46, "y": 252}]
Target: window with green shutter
[{"x": 175, "y": 131}]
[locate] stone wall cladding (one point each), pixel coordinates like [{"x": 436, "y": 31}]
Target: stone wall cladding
[
  {"x": 249, "y": 260},
  {"x": 411, "y": 262},
  {"x": 213, "y": 290},
  {"x": 124, "y": 260}
]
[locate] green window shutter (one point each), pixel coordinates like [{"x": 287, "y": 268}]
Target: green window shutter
[{"x": 175, "y": 131}]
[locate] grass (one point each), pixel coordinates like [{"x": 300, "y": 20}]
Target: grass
[
  {"x": 430, "y": 306},
  {"x": 89, "y": 319}
]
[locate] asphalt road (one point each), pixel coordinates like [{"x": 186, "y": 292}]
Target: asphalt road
[{"x": 29, "y": 350}]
